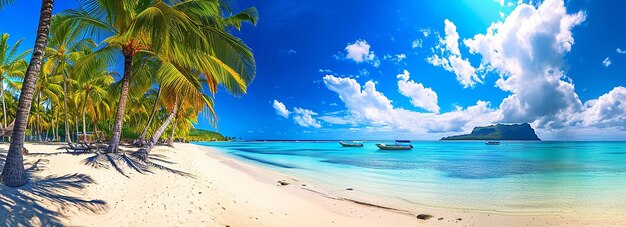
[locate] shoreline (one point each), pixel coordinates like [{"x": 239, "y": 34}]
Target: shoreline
[
  {"x": 473, "y": 216},
  {"x": 199, "y": 186}
]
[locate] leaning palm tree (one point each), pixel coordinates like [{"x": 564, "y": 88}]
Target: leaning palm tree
[
  {"x": 167, "y": 31},
  {"x": 13, "y": 174},
  {"x": 12, "y": 68},
  {"x": 132, "y": 26}
]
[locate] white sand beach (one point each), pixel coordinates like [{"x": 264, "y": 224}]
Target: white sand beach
[{"x": 192, "y": 185}]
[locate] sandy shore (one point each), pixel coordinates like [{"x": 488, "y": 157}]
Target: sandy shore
[{"x": 198, "y": 186}]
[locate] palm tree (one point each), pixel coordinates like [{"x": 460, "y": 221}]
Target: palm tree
[
  {"x": 49, "y": 87},
  {"x": 92, "y": 88},
  {"x": 66, "y": 46},
  {"x": 12, "y": 66},
  {"x": 179, "y": 35},
  {"x": 155, "y": 106},
  {"x": 136, "y": 27},
  {"x": 4, "y": 3},
  {"x": 13, "y": 174}
]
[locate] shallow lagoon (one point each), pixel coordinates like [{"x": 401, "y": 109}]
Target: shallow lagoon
[{"x": 514, "y": 177}]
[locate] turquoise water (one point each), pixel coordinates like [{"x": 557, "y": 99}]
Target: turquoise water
[{"x": 516, "y": 177}]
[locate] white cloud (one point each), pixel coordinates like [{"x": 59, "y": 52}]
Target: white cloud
[
  {"x": 359, "y": 52},
  {"x": 325, "y": 71},
  {"x": 288, "y": 52},
  {"x": 451, "y": 59},
  {"x": 452, "y": 37},
  {"x": 420, "y": 96},
  {"x": 304, "y": 118},
  {"x": 417, "y": 43},
  {"x": 606, "y": 111},
  {"x": 368, "y": 106},
  {"x": 280, "y": 109},
  {"x": 395, "y": 58},
  {"x": 527, "y": 51},
  {"x": 620, "y": 51},
  {"x": 425, "y": 32},
  {"x": 606, "y": 62}
]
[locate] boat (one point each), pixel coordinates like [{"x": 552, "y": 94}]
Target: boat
[
  {"x": 351, "y": 144},
  {"x": 399, "y": 145},
  {"x": 492, "y": 143}
]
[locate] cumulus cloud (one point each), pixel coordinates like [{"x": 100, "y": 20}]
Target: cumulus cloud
[
  {"x": 369, "y": 106},
  {"x": 304, "y": 118},
  {"x": 527, "y": 50},
  {"x": 301, "y": 116},
  {"x": 606, "y": 62},
  {"x": 451, "y": 59},
  {"x": 606, "y": 111},
  {"x": 359, "y": 52},
  {"x": 452, "y": 37},
  {"x": 420, "y": 96},
  {"x": 280, "y": 109}
]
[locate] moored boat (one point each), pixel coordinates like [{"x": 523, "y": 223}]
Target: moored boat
[
  {"x": 399, "y": 145},
  {"x": 351, "y": 144},
  {"x": 492, "y": 143}
]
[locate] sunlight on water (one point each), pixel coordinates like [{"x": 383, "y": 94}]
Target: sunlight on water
[{"x": 520, "y": 177}]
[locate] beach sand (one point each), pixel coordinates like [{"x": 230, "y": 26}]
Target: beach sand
[{"x": 191, "y": 185}]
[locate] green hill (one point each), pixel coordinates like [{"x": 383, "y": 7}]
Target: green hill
[
  {"x": 499, "y": 132},
  {"x": 203, "y": 135}
]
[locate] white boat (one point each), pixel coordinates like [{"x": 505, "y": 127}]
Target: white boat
[
  {"x": 351, "y": 144},
  {"x": 399, "y": 145}
]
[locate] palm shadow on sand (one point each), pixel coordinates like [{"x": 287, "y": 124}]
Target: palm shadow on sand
[
  {"x": 24, "y": 206},
  {"x": 130, "y": 160}
]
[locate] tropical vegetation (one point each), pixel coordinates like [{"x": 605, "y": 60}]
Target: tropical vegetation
[{"x": 175, "y": 54}]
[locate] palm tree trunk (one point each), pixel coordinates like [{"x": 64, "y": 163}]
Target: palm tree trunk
[
  {"x": 38, "y": 126},
  {"x": 170, "y": 140},
  {"x": 142, "y": 138},
  {"x": 84, "y": 125},
  {"x": 68, "y": 138},
  {"x": 95, "y": 130},
  {"x": 4, "y": 108},
  {"x": 13, "y": 174},
  {"x": 76, "y": 123},
  {"x": 157, "y": 134},
  {"x": 121, "y": 105}
]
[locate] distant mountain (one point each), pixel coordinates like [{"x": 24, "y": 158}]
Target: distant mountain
[{"x": 499, "y": 132}]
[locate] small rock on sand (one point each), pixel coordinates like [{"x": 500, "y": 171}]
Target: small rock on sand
[
  {"x": 424, "y": 216},
  {"x": 283, "y": 183},
  {"x": 349, "y": 189},
  {"x": 439, "y": 219}
]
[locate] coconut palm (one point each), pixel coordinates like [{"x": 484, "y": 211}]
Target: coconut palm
[
  {"x": 47, "y": 90},
  {"x": 172, "y": 32},
  {"x": 4, "y": 3},
  {"x": 13, "y": 174},
  {"x": 65, "y": 47},
  {"x": 92, "y": 84},
  {"x": 12, "y": 68}
]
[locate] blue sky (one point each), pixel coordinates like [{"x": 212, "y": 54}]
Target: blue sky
[{"x": 336, "y": 69}]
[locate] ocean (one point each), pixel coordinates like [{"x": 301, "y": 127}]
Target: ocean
[{"x": 513, "y": 177}]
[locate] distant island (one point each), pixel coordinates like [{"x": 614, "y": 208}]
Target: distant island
[
  {"x": 195, "y": 135},
  {"x": 499, "y": 132}
]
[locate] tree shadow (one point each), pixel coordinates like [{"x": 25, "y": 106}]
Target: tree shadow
[
  {"x": 129, "y": 160},
  {"x": 43, "y": 200}
]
